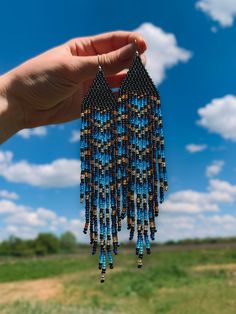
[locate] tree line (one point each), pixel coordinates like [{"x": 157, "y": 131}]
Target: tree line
[
  {"x": 44, "y": 244},
  {"x": 49, "y": 243},
  {"x": 196, "y": 241}
]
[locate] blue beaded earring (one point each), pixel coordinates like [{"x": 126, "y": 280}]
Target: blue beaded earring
[
  {"x": 141, "y": 165},
  {"x": 98, "y": 169},
  {"x": 123, "y": 168}
]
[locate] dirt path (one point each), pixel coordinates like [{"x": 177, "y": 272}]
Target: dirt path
[
  {"x": 42, "y": 289},
  {"x": 227, "y": 267}
]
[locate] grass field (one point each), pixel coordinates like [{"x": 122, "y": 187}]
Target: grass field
[{"x": 174, "y": 280}]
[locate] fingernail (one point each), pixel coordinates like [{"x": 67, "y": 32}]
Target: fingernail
[
  {"x": 143, "y": 59},
  {"x": 141, "y": 43}
]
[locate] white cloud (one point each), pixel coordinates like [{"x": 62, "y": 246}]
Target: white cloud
[
  {"x": 195, "y": 148},
  {"x": 26, "y": 222},
  {"x": 44, "y": 213},
  {"x": 222, "y": 11},
  {"x": 192, "y": 202},
  {"x": 198, "y": 214},
  {"x": 25, "y": 218},
  {"x": 59, "y": 173},
  {"x": 9, "y": 207},
  {"x": 219, "y": 116},
  {"x": 5, "y": 157},
  {"x": 8, "y": 194},
  {"x": 223, "y": 190},
  {"x": 197, "y": 226},
  {"x": 214, "y": 168},
  {"x": 27, "y": 133},
  {"x": 163, "y": 51},
  {"x": 75, "y": 136}
]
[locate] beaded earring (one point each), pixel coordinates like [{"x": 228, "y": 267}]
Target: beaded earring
[
  {"x": 141, "y": 166},
  {"x": 123, "y": 168},
  {"x": 98, "y": 169}
]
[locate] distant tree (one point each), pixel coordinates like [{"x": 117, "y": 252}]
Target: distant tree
[
  {"x": 5, "y": 248},
  {"x": 40, "y": 249},
  {"x": 22, "y": 248},
  {"x": 170, "y": 242},
  {"x": 68, "y": 242},
  {"x": 46, "y": 243},
  {"x": 16, "y": 247}
]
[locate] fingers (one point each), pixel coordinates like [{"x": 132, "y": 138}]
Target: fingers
[
  {"x": 106, "y": 42},
  {"x": 116, "y": 80},
  {"x": 113, "y": 62},
  {"x": 113, "y": 81}
]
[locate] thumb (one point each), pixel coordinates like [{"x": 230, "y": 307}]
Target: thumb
[{"x": 112, "y": 62}]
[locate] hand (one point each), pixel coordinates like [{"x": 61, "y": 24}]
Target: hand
[{"x": 50, "y": 88}]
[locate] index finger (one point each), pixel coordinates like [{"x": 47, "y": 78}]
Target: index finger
[{"x": 106, "y": 42}]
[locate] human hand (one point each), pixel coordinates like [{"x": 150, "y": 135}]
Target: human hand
[{"x": 50, "y": 87}]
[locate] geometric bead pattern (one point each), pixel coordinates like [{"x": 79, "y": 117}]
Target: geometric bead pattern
[{"x": 123, "y": 167}]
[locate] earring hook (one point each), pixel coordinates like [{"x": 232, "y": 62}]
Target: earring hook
[
  {"x": 99, "y": 65},
  {"x": 136, "y": 47}
]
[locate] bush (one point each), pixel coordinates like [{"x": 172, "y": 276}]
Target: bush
[
  {"x": 46, "y": 243},
  {"x": 68, "y": 242}
]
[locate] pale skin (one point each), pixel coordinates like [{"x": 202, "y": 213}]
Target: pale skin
[{"x": 49, "y": 88}]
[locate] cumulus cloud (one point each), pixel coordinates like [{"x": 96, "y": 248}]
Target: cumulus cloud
[
  {"x": 26, "y": 222},
  {"x": 195, "y": 148},
  {"x": 214, "y": 168},
  {"x": 9, "y": 207},
  {"x": 27, "y": 133},
  {"x": 197, "y": 226},
  {"x": 194, "y": 214},
  {"x": 75, "y": 136},
  {"x": 8, "y": 194},
  {"x": 181, "y": 225},
  {"x": 59, "y": 173},
  {"x": 219, "y": 116},
  {"x": 192, "y": 202},
  {"x": 222, "y": 11},
  {"x": 163, "y": 51}
]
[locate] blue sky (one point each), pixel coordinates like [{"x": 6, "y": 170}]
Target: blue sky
[{"x": 191, "y": 56}]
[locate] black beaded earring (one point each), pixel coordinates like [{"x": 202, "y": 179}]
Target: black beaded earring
[
  {"x": 98, "y": 169},
  {"x": 141, "y": 165}
]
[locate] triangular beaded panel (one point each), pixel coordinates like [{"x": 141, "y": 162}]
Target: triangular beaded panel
[
  {"x": 138, "y": 80},
  {"x": 99, "y": 95}
]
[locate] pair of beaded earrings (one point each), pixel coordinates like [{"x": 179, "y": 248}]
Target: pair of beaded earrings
[{"x": 123, "y": 168}]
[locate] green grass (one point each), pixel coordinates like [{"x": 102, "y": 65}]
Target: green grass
[
  {"x": 24, "y": 307},
  {"x": 168, "y": 283},
  {"x": 35, "y": 268}
]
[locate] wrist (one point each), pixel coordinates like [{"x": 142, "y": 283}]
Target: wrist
[{"x": 11, "y": 113}]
